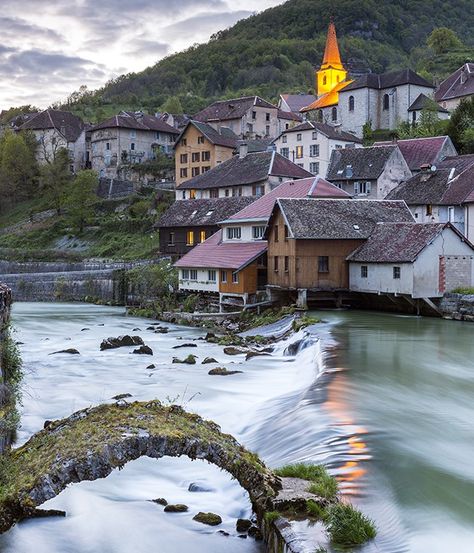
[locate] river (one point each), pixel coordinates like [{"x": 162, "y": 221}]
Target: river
[{"x": 385, "y": 401}]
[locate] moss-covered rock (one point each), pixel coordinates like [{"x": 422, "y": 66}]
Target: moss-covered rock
[
  {"x": 208, "y": 518},
  {"x": 189, "y": 360},
  {"x": 176, "y": 508},
  {"x": 222, "y": 371}
]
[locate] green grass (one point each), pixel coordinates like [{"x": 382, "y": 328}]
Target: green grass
[
  {"x": 271, "y": 516},
  {"x": 348, "y": 526},
  {"x": 315, "y": 510},
  {"x": 322, "y": 483},
  {"x": 465, "y": 291}
]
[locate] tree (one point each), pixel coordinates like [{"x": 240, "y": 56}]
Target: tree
[
  {"x": 461, "y": 125},
  {"x": 54, "y": 178},
  {"x": 172, "y": 105},
  {"x": 443, "y": 40},
  {"x": 81, "y": 199}
]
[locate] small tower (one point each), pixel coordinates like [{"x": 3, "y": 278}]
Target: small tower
[{"x": 332, "y": 71}]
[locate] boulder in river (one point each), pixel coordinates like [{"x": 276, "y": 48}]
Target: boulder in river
[
  {"x": 151, "y": 366},
  {"x": 208, "y": 360},
  {"x": 199, "y": 487},
  {"x": 190, "y": 360},
  {"x": 176, "y": 508},
  {"x": 222, "y": 371},
  {"x": 251, "y": 354},
  {"x": 185, "y": 346},
  {"x": 71, "y": 351},
  {"x": 233, "y": 350},
  {"x": 121, "y": 396},
  {"x": 143, "y": 350},
  {"x": 160, "y": 501},
  {"x": 243, "y": 524},
  {"x": 208, "y": 518},
  {"x": 121, "y": 341},
  {"x": 43, "y": 513},
  {"x": 255, "y": 533},
  {"x": 161, "y": 330}
]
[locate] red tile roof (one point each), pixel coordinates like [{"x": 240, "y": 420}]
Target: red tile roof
[
  {"x": 315, "y": 187},
  {"x": 216, "y": 254}
]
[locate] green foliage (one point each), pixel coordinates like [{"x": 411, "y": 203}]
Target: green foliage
[
  {"x": 461, "y": 125},
  {"x": 322, "y": 483},
  {"x": 348, "y": 526},
  {"x": 161, "y": 167},
  {"x": 172, "y": 105},
  {"x": 81, "y": 198},
  {"x": 271, "y": 516},
  {"x": 367, "y": 133},
  {"x": 429, "y": 124},
  {"x": 190, "y": 303},
  {"x": 465, "y": 291},
  {"x": 303, "y": 322},
  {"x": 55, "y": 178},
  {"x": 442, "y": 40},
  {"x": 315, "y": 510},
  {"x": 153, "y": 282},
  {"x": 11, "y": 363}
]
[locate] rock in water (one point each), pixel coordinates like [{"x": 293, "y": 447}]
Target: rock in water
[
  {"x": 208, "y": 360},
  {"x": 254, "y": 532},
  {"x": 143, "y": 350},
  {"x": 251, "y": 354},
  {"x": 43, "y": 513},
  {"x": 243, "y": 525},
  {"x": 185, "y": 346},
  {"x": 161, "y": 330},
  {"x": 176, "y": 508},
  {"x": 199, "y": 487},
  {"x": 71, "y": 351},
  {"x": 121, "y": 396},
  {"x": 121, "y": 341},
  {"x": 151, "y": 366},
  {"x": 190, "y": 360},
  {"x": 232, "y": 350},
  {"x": 160, "y": 501},
  {"x": 222, "y": 371},
  {"x": 208, "y": 518}
]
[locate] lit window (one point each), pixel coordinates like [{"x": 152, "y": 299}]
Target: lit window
[
  {"x": 323, "y": 264},
  {"x": 202, "y": 235},
  {"x": 364, "y": 270},
  {"x": 299, "y": 152},
  {"x": 257, "y": 232},
  {"x": 192, "y": 194},
  {"x": 429, "y": 209},
  {"x": 396, "y": 272},
  {"x": 233, "y": 233},
  {"x": 190, "y": 238}
]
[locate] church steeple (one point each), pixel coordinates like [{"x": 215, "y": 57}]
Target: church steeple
[{"x": 332, "y": 71}]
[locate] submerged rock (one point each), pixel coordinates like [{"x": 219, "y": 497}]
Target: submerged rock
[
  {"x": 160, "y": 501},
  {"x": 43, "y": 513},
  {"x": 176, "y": 508},
  {"x": 121, "y": 396},
  {"x": 185, "y": 346},
  {"x": 222, "y": 371},
  {"x": 71, "y": 351},
  {"x": 121, "y": 341},
  {"x": 151, "y": 366},
  {"x": 208, "y": 518},
  {"x": 251, "y": 354},
  {"x": 199, "y": 487},
  {"x": 84, "y": 329},
  {"x": 161, "y": 330},
  {"x": 208, "y": 360},
  {"x": 223, "y": 532},
  {"x": 243, "y": 524},
  {"x": 143, "y": 350}
]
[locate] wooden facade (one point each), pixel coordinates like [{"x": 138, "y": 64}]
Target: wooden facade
[
  {"x": 246, "y": 280},
  {"x": 310, "y": 264},
  {"x": 176, "y": 241}
]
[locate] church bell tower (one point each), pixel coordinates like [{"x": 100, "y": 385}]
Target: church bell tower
[{"x": 331, "y": 71}]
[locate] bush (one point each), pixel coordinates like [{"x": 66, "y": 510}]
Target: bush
[
  {"x": 190, "y": 303},
  {"x": 348, "y": 526},
  {"x": 465, "y": 291}
]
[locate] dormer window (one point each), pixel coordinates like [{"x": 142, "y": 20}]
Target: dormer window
[{"x": 233, "y": 233}]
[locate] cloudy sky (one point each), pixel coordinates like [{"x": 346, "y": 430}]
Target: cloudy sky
[{"x": 48, "y": 48}]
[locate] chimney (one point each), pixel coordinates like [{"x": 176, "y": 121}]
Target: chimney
[
  {"x": 425, "y": 167},
  {"x": 243, "y": 150}
]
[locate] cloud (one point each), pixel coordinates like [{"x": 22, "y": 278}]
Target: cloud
[
  {"x": 143, "y": 46},
  {"x": 16, "y": 28},
  {"x": 206, "y": 23}
]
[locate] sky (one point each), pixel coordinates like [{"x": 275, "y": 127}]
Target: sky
[{"x": 48, "y": 49}]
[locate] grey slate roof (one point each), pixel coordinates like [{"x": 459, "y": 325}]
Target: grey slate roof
[
  {"x": 422, "y": 101},
  {"x": 298, "y": 101},
  {"x": 388, "y": 80},
  {"x": 137, "y": 121},
  {"x": 68, "y": 124},
  {"x": 358, "y": 163},
  {"x": 459, "y": 84},
  {"x": 185, "y": 213},
  {"x": 253, "y": 168},
  {"x": 397, "y": 242},
  {"x": 231, "y": 109},
  {"x": 325, "y": 129},
  {"x": 313, "y": 219}
]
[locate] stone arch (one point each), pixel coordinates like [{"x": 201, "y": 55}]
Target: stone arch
[{"x": 91, "y": 443}]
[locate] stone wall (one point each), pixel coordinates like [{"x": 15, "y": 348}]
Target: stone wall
[
  {"x": 5, "y": 303},
  {"x": 459, "y": 307}
]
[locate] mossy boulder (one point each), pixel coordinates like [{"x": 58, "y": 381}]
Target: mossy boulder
[
  {"x": 176, "y": 508},
  {"x": 143, "y": 350},
  {"x": 71, "y": 351},
  {"x": 120, "y": 342},
  {"x": 208, "y": 360},
  {"x": 160, "y": 501},
  {"x": 208, "y": 518},
  {"x": 243, "y": 524},
  {"x": 222, "y": 371},
  {"x": 121, "y": 396},
  {"x": 233, "y": 350},
  {"x": 187, "y": 345},
  {"x": 189, "y": 360}
]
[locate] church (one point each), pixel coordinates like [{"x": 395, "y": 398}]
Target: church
[{"x": 383, "y": 100}]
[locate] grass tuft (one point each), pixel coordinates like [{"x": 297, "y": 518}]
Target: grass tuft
[
  {"x": 348, "y": 526},
  {"x": 315, "y": 510},
  {"x": 271, "y": 516},
  {"x": 322, "y": 483}
]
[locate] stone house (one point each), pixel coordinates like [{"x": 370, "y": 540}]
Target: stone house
[
  {"x": 310, "y": 145},
  {"x": 458, "y": 86},
  {"x": 417, "y": 260},
  {"x": 127, "y": 139},
  {"x": 368, "y": 172},
  {"x": 423, "y": 102},
  {"x": 54, "y": 130}
]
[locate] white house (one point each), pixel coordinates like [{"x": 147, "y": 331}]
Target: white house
[
  {"x": 416, "y": 260},
  {"x": 310, "y": 145}
]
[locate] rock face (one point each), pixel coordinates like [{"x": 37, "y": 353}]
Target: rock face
[
  {"x": 208, "y": 518},
  {"x": 121, "y": 341},
  {"x": 71, "y": 351},
  {"x": 143, "y": 350},
  {"x": 176, "y": 508},
  {"x": 459, "y": 307},
  {"x": 222, "y": 371}
]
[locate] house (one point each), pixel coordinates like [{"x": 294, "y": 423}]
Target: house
[
  {"x": 185, "y": 224},
  {"x": 417, "y": 260},
  {"x": 442, "y": 193},
  {"x": 310, "y": 239},
  {"x": 54, "y": 130},
  {"x": 458, "y": 86},
  {"x": 310, "y": 144},
  {"x": 178, "y": 121},
  {"x": 127, "y": 139},
  {"x": 200, "y": 147},
  {"x": 420, "y": 152},
  {"x": 368, "y": 172},
  {"x": 247, "y": 117},
  {"x": 245, "y": 174},
  {"x": 421, "y": 103},
  {"x": 294, "y": 103},
  {"x": 288, "y": 119}
]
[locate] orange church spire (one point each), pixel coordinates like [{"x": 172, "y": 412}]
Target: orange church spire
[{"x": 331, "y": 57}]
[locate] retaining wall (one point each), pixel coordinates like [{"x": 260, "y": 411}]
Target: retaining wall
[{"x": 459, "y": 307}]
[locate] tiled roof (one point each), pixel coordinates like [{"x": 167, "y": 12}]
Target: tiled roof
[
  {"x": 261, "y": 209},
  {"x": 298, "y": 101},
  {"x": 313, "y": 219},
  {"x": 289, "y": 115},
  {"x": 68, "y": 124},
  {"x": 237, "y": 171},
  {"x": 419, "y": 151},
  {"x": 452, "y": 183},
  {"x": 388, "y": 80},
  {"x": 455, "y": 86},
  {"x": 358, "y": 163},
  {"x": 255, "y": 145},
  {"x": 185, "y": 213},
  {"x": 331, "y": 57},
  {"x": 137, "y": 121},
  {"x": 422, "y": 101},
  {"x": 231, "y": 109},
  {"x": 397, "y": 242},
  {"x": 325, "y": 129},
  {"x": 225, "y": 137},
  {"x": 216, "y": 254}
]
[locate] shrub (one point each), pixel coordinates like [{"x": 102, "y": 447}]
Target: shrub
[
  {"x": 348, "y": 526},
  {"x": 190, "y": 303}
]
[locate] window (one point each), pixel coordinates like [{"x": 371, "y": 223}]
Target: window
[
  {"x": 323, "y": 264},
  {"x": 224, "y": 276},
  {"x": 157, "y": 135},
  {"x": 227, "y": 192},
  {"x": 254, "y": 115},
  {"x": 362, "y": 188},
  {"x": 338, "y": 146},
  {"x": 451, "y": 214},
  {"x": 193, "y": 274},
  {"x": 183, "y": 173},
  {"x": 275, "y": 234},
  {"x": 183, "y": 158},
  {"x": 275, "y": 264},
  {"x": 429, "y": 209},
  {"x": 206, "y": 156},
  {"x": 211, "y": 275},
  {"x": 185, "y": 274},
  {"x": 287, "y": 264},
  {"x": 267, "y": 130},
  {"x": 258, "y": 232},
  {"x": 287, "y": 232},
  {"x": 314, "y": 167},
  {"x": 258, "y": 190},
  {"x": 195, "y": 171},
  {"x": 206, "y": 168},
  {"x": 249, "y": 127},
  {"x": 132, "y": 146},
  {"x": 284, "y": 139},
  {"x": 171, "y": 239},
  {"x": 314, "y": 150},
  {"x": 299, "y": 137},
  {"x": 192, "y": 194},
  {"x": 196, "y": 157},
  {"x": 315, "y": 135},
  {"x": 267, "y": 117},
  {"x": 334, "y": 114},
  {"x": 364, "y": 270},
  {"x": 233, "y": 233},
  {"x": 299, "y": 152},
  {"x": 202, "y": 235},
  {"x": 184, "y": 142},
  {"x": 214, "y": 193},
  {"x": 183, "y": 194},
  {"x": 386, "y": 102},
  {"x": 351, "y": 103},
  {"x": 107, "y": 146},
  {"x": 320, "y": 115},
  {"x": 285, "y": 152},
  {"x": 325, "y": 80},
  {"x": 396, "y": 272},
  {"x": 190, "y": 238},
  {"x": 201, "y": 139},
  {"x": 133, "y": 134},
  {"x": 235, "y": 278}
]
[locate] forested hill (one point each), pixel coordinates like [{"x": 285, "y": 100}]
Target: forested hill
[{"x": 277, "y": 50}]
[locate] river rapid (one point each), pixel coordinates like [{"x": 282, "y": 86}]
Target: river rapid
[{"x": 385, "y": 401}]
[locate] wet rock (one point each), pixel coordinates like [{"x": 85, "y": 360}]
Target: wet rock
[
  {"x": 43, "y": 513},
  {"x": 222, "y": 371},
  {"x": 160, "y": 501},
  {"x": 71, "y": 351},
  {"x": 255, "y": 533},
  {"x": 121, "y": 396},
  {"x": 143, "y": 350},
  {"x": 150, "y": 328},
  {"x": 47, "y": 423},
  {"x": 137, "y": 330},
  {"x": 199, "y": 487},
  {"x": 208, "y": 360},
  {"x": 185, "y": 346},
  {"x": 243, "y": 524},
  {"x": 151, "y": 366},
  {"x": 84, "y": 329},
  {"x": 121, "y": 341},
  {"x": 208, "y": 518},
  {"x": 243, "y": 536},
  {"x": 190, "y": 360},
  {"x": 223, "y": 532},
  {"x": 176, "y": 508},
  {"x": 161, "y": 330},
  {"x": 233, "y": 350},
  {"x": 251, "y": 354}
]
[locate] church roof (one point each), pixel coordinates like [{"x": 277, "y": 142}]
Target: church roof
[
  {"x": 331, "y": 98},
  {"x": 331, "y": 58},
  {"x": 423, "y": 101},
  {"x": 388, "y": 80}
]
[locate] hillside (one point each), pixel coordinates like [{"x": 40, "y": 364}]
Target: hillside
[{"x": 276, "y": 51}]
